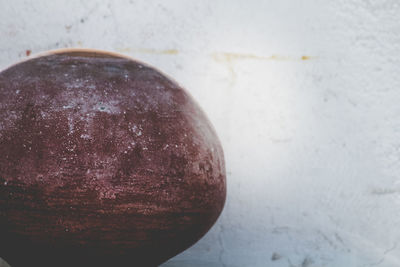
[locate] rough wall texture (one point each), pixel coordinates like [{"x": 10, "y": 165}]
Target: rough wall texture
[{"x": 303, "y": 94}]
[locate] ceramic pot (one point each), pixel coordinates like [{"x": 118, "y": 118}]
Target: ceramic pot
[{"x": 104, "y": 161}]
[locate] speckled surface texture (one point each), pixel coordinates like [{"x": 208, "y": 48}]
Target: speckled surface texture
[
  {"x": 102, "y": 157},
  {"x": 304, "y": 96}
]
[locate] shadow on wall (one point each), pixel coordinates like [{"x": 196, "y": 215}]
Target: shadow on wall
[
  {"x": 3, "y": 263},
  {"x": 192, "y": 263}
]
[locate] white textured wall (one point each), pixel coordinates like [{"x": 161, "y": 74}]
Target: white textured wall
[{"x": 305, "y": 96}]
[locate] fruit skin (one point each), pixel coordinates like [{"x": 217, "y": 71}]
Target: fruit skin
[{"x": 104, "y": 162}]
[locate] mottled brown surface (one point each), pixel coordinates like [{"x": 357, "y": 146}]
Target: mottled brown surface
[{"x": 103, "y": 162}]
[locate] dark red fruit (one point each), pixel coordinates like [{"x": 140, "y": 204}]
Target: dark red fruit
[{"x": 103, "y": 162}]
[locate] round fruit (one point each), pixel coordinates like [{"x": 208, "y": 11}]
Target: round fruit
[{"x": 103, "y": 162}]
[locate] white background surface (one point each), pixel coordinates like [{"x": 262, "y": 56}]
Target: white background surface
[{"x": 305, "y": 97}]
